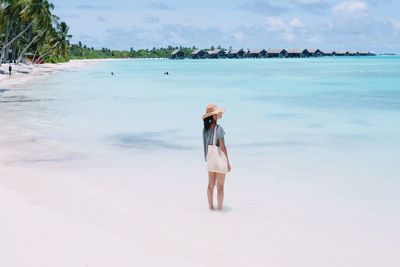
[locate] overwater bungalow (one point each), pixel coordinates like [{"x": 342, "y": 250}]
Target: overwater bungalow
[
  {"x": 177, "y": 54},
  {"x": 256, "y": 53},
  {"x": 364, "y": 53},
  {"x": 297, "y": 52},
  {"x": 199, "y": 53},
  {"x": 277, "y": 52},
  {"x": 314, "y": 52},
  {"x": 353, "y": 53},
  {"x": 328, "y": 52},
  {"x": 216, "y": 53},
  {"x": 341, "y": 53},
  {"x": 270, "y": 53},
  {"x": 236, "y": 53}
]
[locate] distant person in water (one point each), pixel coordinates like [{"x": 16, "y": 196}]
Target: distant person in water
[
  {"x": 112, "y": 73},
  {"x": 215, "y": 154},
  {"x": 9, "y": 69},
  {"x": 166, "y": 73}
]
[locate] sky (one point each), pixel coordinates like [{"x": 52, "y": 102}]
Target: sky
[{"x": 371, "y": 25}]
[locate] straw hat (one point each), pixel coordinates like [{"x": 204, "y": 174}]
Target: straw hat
[{"x": 212, "y": 109}]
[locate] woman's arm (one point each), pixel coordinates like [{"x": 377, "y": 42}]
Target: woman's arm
[{"x": 223, "y": 148}]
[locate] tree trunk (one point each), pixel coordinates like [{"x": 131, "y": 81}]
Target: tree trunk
[
  {"x": 26, "y": 48},
  {"x": 46, "y": 54},
  {"x": 34, "y": 56},
  {"x": 5, "y": 41},
  {"x": 15, "y": 38}
]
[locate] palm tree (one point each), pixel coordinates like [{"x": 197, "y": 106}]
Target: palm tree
[
  {"x": 39, "y": 11},
  {"x": 16, "y": 23},
  {"x": 30, "y": 26},
  {"x": 58, "y": 43},
  {"x": 12, "y": 19},
  {"x": 63, "y": 39}
]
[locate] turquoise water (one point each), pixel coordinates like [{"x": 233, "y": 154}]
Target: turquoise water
[{"x": 333, "y": 123}]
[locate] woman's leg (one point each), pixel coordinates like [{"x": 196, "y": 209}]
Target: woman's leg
[
  {"x": 220, "y": 189},
  {"x": 212, "y": 176}
]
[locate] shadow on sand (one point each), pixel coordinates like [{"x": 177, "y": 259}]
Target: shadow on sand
[{"x": 147, "y": 140}]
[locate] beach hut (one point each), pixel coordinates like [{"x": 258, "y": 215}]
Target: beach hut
[
  {"x": 277, "y": 52},
  {"x": 216, "y": 53},
  {"x": 315, "y": 52},
  {"x": 236, "y": 53},
  {"x": 256, "y": 53},
  {"x": 177, "y": 54},
  {"x": 29, "y": 56},
  {"x": 199, "y": 53}
]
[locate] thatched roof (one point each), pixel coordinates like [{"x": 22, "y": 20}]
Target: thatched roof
[
  {"x": 256, "y": 50},
  {"x": 295, "y": 50},
  {"x": 175, "y": 51},
  {"x": 214, "y": 52},
  {"x": 275, "y": 50},
  {"x": 313, "y": 50},
  {"x": 235, "y": 51},
  {"x": 195, "y": 52}
]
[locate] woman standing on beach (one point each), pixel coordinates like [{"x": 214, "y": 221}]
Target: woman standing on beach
[{"x": 215, "y": 153}]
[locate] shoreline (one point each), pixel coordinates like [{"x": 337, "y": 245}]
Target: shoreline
[{"x": 23, "y": 73}]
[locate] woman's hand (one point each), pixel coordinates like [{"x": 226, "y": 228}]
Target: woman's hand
[{"x": 229, "y": 167}]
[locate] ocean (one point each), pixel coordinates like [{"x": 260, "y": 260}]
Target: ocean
[{"x": 317, "y": 133}]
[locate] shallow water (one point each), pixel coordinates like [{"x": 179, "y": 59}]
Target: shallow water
[
  {"x": 314, "y": 146},
  {"x": 331, "y": 121}
]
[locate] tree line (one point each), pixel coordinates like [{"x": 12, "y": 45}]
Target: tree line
[{"x": 80, "y": 51}]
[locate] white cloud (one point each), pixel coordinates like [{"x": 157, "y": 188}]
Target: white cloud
[
  {"x": 278, "y": 24},
  {"x": 350, "y": 8},
  {"x": 296, "y": 23},
  {"x": 275, "y": 23},
  {"x": 239, "y": 36},
  {"x": 396, "y": 24}
]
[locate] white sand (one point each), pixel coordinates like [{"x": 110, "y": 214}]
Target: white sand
[
  {"x": 73, "y": 218},
  {"x": 121, "y": 214}
]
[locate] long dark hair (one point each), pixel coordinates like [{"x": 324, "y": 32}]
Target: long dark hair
[{"x": 207, "y": 122}]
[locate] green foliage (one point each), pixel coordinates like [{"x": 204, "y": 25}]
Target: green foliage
[
  {"x": 79, "y": 51},
  {"x": 28, "y": 28}
]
